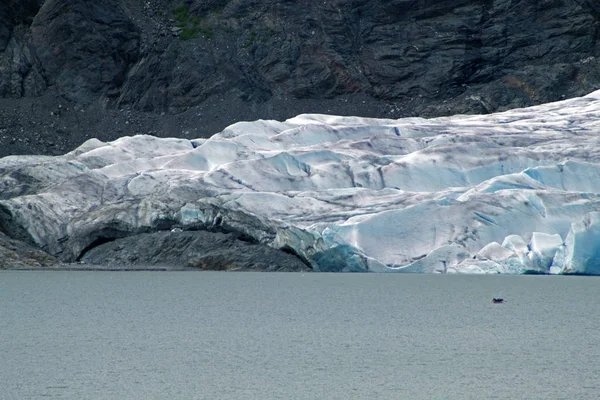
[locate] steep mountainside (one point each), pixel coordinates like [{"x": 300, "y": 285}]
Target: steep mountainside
[{"x": 74, "y": 69}]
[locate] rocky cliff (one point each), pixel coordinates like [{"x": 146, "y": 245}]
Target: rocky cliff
[{"x": 74, "y": 69}]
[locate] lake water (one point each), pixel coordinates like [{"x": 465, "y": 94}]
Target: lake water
[{"x": 235, "y": 336}]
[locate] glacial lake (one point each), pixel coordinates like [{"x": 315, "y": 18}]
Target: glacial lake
[{"x": 218, "y": 335}]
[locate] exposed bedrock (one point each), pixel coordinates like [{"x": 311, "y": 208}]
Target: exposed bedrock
[
  {"x": 17, "y": 254},
  {"x": 192, "y": 250},
  {"x": 73, "y": 69}
]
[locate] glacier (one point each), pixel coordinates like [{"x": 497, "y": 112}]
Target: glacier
[{"x": 512, "y": 193}]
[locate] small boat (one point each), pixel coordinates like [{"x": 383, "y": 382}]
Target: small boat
[{"x": 497, "y": 300}]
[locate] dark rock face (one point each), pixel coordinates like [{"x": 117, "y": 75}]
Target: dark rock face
[
  {"x": 192, "y": 250},
  {"x": 19, "y": 73},
  {"x": 15, "y": 13},
  {"x": 16, "y": 254},
  {"x": 189, "y": 68},
  {"x": 85, "y": 48}
]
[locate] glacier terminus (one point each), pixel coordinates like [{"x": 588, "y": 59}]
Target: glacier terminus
[{"x": 512, "y": 192}]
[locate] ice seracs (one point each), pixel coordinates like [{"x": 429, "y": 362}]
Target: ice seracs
[
  {"x": 512, "y": 192},
  {"x": 581, "y": 252}
]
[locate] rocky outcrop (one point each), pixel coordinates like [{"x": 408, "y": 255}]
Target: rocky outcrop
[
  {"x": 195, "y": 250},
  {"x": 20, "y": 72},
  {"x": 85, "y": 48},
  {"x": 17, "y": 254},
  {"x": 170, "y": 68}
]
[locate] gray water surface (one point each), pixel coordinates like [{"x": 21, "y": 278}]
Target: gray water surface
[{"x": 205, "y": 335}]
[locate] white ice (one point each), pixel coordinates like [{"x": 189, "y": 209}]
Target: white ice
[{"x": 512, "y": 192}]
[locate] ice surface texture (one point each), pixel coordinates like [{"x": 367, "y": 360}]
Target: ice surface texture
[{"x": 512, "y": 192}]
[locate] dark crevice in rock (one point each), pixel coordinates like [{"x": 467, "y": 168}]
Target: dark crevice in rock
[
  {"x": 97, "y": 242},
  {"x": 241, "y": 236},
  {"x": 164, "y": 224},
  {"x": 100, "y": 237},
  {"x": 289, "y": 250}
]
